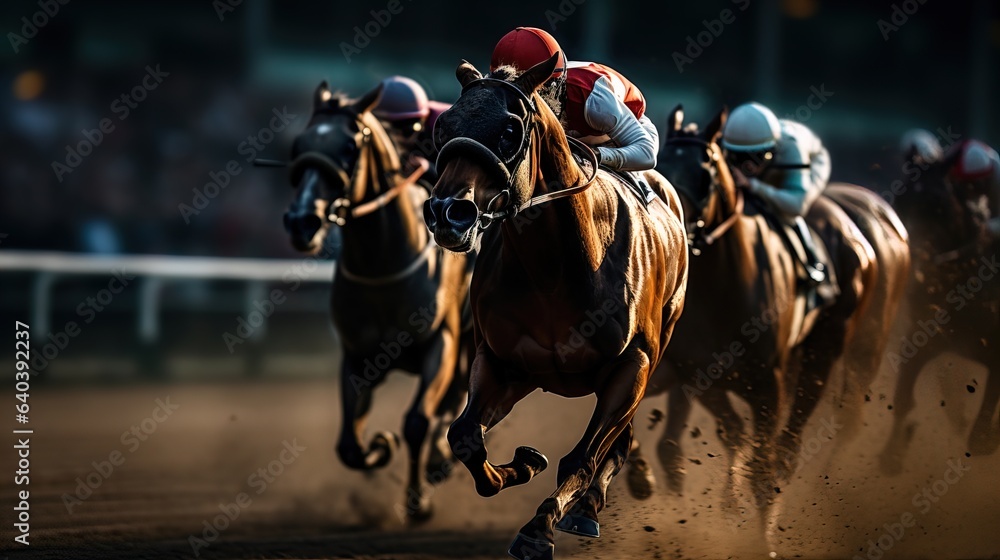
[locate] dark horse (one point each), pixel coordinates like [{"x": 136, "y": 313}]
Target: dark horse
[
  {"x": 954, "y": 301},
  {"x": 745, "y": 329},
  {"x": 562, "y": 246},
  {"x": 397, "y": 299}
]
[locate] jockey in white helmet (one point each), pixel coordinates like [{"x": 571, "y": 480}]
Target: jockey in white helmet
[
  {"x": 785, "y": 164},
  {"x": 920, "y": 147}
]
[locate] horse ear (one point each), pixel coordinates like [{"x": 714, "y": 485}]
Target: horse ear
[
  {"x": 467, "y": 73},
  {"x": 714, "y": 128},
  {"x": 322, "y": 96},
  {"x": 368, "y": 100},
  {"x": 538, "y": 74},
  {"x": 675, "y": 120}
]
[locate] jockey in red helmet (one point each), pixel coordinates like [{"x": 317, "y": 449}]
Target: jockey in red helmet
[
  {"x": 409, "y": 117},
  {"x": 977, "y": 165},
  {"x": 595, "y": 103}
]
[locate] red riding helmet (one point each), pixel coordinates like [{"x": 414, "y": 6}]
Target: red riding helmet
[{"x": 525, "y": 47}]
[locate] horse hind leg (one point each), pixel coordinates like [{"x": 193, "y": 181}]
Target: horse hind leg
[
  {"x": 490, "y": 400},
  {"x": 891, "y": 458},
  {"x": 356, "y": 397},
  {"x": 669, "y": 449},
  {"x": 582, "y": 519}
]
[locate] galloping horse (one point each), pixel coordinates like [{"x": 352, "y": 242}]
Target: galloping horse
[
  {"x": 746, "y": 330},
  {"x": 952, "y": 251},
  {"x": 560, "y": 243},
  {"x": 397, "y": 300}
]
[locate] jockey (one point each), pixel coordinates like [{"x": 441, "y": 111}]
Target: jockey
[
  {"x": 594, "y": 103},
  {"x": 978, "y": 165},
  {"x": 785, "y": 164},
  {"x": 409, "y": 118},
  {"x": 920, "y": 147}
]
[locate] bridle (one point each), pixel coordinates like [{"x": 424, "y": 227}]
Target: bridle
[
  {"x": 344, "y": 208},
  {"x": 506, "y": 167},
  {"x": 698, "y": 238}
]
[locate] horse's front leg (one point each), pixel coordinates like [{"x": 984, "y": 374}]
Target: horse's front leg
[
  {"x": 436, "y": 375},
  {"x": 491, "y": 398},
  {"x": 617, "y": 402},
  {"x": 356, "y": 399}
]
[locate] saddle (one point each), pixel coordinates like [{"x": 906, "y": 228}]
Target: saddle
[
  {"x": 816, "y": 296},
  {"x": 633, "y": 181}
]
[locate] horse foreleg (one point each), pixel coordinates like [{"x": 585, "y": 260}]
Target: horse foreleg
[
  {"x": 985, "y": 436},
  {"x": 490, "y": 400},
  {"x": 582, "y": 519},
  {"x": 669, "y": 448},
  {"x": 891, "y": 460},
  {"x": 616, "y": 405},
  {"x": 435, "y": 377},
  {"x": 731, "y": 431},
  {"x": 356, "y": 400}
]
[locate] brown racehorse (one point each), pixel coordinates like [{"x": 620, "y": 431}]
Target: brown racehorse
[
  {"x": 744, "y": 330},
  {"x": 954, "y": 301},
  {"x": 397, "y": 300},
  {"x": 562, "y": 248}
]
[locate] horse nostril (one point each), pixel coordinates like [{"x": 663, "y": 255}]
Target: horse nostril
[
  {"x": 311, "y": 223},
  {"x": 462, "y": 213},
  {"x": 430, "y": 219}
]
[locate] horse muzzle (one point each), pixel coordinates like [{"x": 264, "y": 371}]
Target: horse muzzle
[
  {"x": 452, "y": 222},
  {"x": 302, "y": 228}
]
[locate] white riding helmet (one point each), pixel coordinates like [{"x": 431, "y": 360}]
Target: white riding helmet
[
  {"x": 921, "y": 142},
  {"x": 751, "y": 127},
  {"x": 976, "y": 161}
]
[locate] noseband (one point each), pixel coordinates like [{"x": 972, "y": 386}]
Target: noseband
[
  {"x": 505, "y": 168},
  {"x": 698, "y": 238},
  {"x": 343, "y": 209}
]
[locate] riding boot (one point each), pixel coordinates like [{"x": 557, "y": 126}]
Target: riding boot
[{"x": 815, "y": 269}]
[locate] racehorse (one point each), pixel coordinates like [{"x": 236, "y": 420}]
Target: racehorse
[
  {"x": 746, "y": 329},
  {"x": 397, "y": 299},
  {"x": 563, "y": 244},
  {"x": 954, "y": 302}
]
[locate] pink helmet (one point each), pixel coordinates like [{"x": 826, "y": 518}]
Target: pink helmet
[{"x": 402, "y": 98}]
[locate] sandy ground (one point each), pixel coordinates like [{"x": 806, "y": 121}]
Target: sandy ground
[{"x": 205, "y": 452}]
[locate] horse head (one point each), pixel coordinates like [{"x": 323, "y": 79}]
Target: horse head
[
  {"x": 692, "y": 161},
  {"x": 333, "y": 163},
  {"x": 491, "y": 141}
]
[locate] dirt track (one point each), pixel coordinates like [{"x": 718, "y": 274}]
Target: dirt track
[{"x": 202, "y": 455}]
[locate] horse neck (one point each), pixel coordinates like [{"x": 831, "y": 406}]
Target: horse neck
[
  {"x": 730, "y": 253},
  {"x": 558, "y": 238},
  {"x": 388, "y": 239}
]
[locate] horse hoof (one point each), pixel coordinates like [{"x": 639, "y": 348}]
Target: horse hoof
[
  {"x": 640, "y": 479},
  {"x": 527, "y": 548},
  {"x": 531, "y": 458},
  {"x": 421, "y": 514},
  {"x": 580, "y": 526}
]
